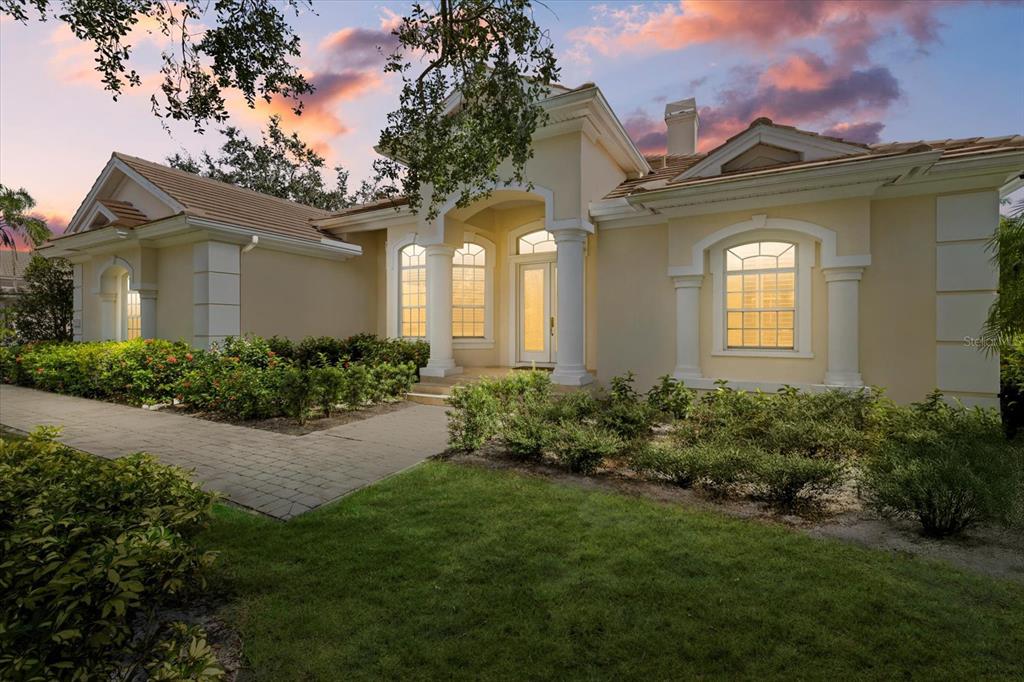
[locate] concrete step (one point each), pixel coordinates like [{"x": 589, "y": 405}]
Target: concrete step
[{"x": 426, "y": 398}]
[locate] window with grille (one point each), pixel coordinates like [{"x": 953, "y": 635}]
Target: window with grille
[
  {"x": 412, "y": 291},
  {"x": 132, "y": 312},
  {"x": 540, "y": 241},
  {"x": 760, "y": 305},
  {"x": 469, "y": 295}
]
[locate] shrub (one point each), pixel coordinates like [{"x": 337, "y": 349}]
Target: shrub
[
  {"x": 320, "y": 351},
  {"x": 473, "y": 419},
  {"x": 670, "y": 398},
  {"x": 716, "y": 468},
  {"x": 298, "y": 391},
  {"x": 785, "y": 480},
  {"x": 624, "y": 413},
  {"x": 328, "y": 383},
  {"x": 583, "y": 447},
  {"x": 1011, "y": 392},
  {"x": 355, "y": 386},
  {"x": 282, "y": 346},
  {"x": 371, "y": 349},
  {"x": 253, "y": 351},
  {"x": 526, "y": 429},
  {"x": 949, "y": 467},
  {"x": 388, "y": 381},
  {"x": 575, "y": 406},
  {"x": 89, "y": 546}
]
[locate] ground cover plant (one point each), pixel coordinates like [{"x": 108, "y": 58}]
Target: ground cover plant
[
  {"x": 244, "y": 378},
  {"x": 945, "y": 466},
  {"x": 89, "y": 548},
  {"x": 482, "y": 574}
]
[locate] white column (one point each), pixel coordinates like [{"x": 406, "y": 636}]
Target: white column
[
  {"x": 76, "y": 302},
  {"x": 439, "y": 312},
  {"x": 570, "y": 363},
  {"x": 687, "y": 327},
  {"x": 147, "y": 309},
  {"x": 216, "y": 292},
  {"x": 843, "y": 326}
]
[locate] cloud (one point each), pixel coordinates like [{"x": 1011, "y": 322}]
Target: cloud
[
  {"x": 358, "y": 48},
  {"x": 866, "y": 132},
  {"x": 647, "y": 132}
]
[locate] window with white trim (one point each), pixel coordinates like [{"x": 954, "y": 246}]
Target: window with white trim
[
  {"x": 760, "y": 296},
  {"x": 132, "y": 311},
  {"x": 540, "y": 241},
  {"x": 469, "y": 291},
  {"x": 412, "y": 291}
]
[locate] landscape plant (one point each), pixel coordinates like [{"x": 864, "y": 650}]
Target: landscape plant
[
  {"x": 88, "y": 548},
  {"x": 584, "y": 447}
]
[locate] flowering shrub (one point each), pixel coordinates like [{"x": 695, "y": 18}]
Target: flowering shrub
[{"x": 242, "y": 378}]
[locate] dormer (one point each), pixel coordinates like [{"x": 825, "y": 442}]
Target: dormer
[{"x": 766, "y": 144}]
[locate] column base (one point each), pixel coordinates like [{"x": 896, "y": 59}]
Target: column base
[
  {"x": 442, "y": 372},
  {"x": 571, "y": 376},
  {"x": 684, "y": 374},
  {"x": 844, "y": 379}
]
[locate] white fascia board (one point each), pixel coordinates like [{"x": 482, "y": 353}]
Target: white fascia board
[
  {"x": 377, "y": 219},
  {"x": 710, "y": 166},
  {"x": 326, "y": 248},
  {"x": 78, "y": 221}
]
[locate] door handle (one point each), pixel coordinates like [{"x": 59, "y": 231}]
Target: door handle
[{"x": 552, "y": 325}]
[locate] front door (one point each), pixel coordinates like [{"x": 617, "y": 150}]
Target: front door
[{"x": 536, "y": 315}]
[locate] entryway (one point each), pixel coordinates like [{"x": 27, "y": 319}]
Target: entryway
[{"x": 537, "y": 297}]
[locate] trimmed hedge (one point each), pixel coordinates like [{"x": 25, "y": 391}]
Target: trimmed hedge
[
  {"x": 244, "y": 378},
  {"x": 90, "y": 547}
]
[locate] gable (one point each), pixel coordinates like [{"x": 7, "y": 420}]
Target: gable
[
  {"x": 765, "y": 143},
  {"x": 761, "y": 155},
  {"x": 121, "y": 197}
]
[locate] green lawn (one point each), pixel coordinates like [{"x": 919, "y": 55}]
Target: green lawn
[{"x": 447, "y": 571}]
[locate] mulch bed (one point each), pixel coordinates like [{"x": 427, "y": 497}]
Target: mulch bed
[{"x": 288, "y": 426}]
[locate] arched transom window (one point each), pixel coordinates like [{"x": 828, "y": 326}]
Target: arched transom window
[
  {"x": 760, "y": 305},
  {"x": 469, "y": 295},
  {"x": 412, "y": 291},
  {"x": 540, "y": 241}
]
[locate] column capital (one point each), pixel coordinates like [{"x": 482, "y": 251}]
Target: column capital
[
  {"x": 147, "y": 293},
  {"x": 568, "y": 234},
  {"x": 439, "y": 250},
  {"x": 688, "y": 281},
  {"x": 843, "y": 274}
]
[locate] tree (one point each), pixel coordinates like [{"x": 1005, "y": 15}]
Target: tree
[
  {"x": 499, "y": 61},
  {"x": 247, "y": 45},
  {"x": 280, "y": 165},
  {"x": 15, "y": 220},
  {"x": 1005, "y": 324},
  {"x": 43, "y": 312}
]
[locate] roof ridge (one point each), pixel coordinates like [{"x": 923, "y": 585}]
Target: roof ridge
[{"x": 123, "y": 156}]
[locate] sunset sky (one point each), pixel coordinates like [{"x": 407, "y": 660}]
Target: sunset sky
[{"x": 868, "y": 71}]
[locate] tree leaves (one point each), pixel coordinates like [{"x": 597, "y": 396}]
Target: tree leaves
[{"x": 473, "y": 107}]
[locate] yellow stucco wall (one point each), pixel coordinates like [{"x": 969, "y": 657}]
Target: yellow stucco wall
[
  {"x": 298, "y": 296},
  {"x": 174, "y": 299}
]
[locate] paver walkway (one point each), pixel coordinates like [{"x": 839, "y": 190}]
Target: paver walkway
[{"x": 276, "y": 474}]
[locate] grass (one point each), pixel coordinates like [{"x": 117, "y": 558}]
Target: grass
[{"x": 448, "y": 571}]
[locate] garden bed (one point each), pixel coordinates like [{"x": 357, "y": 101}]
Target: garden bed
[{"x": 288, "y": 425}]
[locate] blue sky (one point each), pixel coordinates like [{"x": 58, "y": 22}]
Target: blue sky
[{"x": 873, "y": 71}]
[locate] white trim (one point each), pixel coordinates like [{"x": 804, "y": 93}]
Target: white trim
[
  {"x": 708, "y": 384},
  {"x": 100, "y": 269},
  {"x": 77, "y": 223},
  {"x": 825, "y": 236},
  {"x": 810, "y": 147},
  {"x": 394, "y": 248},
  {"x": 514, "y": 261},
  {"x": 805, "y": 260}
]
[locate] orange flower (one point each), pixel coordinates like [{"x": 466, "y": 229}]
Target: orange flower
[
  {"x": 188, "y": 356},
  {"x": 171, "y": 359},
  {"x": 39, "y": 370}
]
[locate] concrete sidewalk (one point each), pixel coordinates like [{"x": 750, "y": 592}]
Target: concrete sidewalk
[{"x": 276, "y": 474}]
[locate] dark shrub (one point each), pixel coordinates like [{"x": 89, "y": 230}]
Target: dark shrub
[
  {"x": 948, "y": 467},
  {"x": 786, "y": 480},
  {"x": 282, "y": 347},
  {"x": 624, "y": 413},
  {"x": 473, "y": 419},
  {"x": 716, "y": 468},
  {"x": 583, "y": 447},
  {"x": 250, "y": 350},
  {"x": 88, "y": 546},
  {"x": 389, "y": 381},
  {"x": 298, "y": 392},
  {"x": 575, "y": 406},
  {"x": 1011, "y": 393},
  {"x": 526, "y": 433},
  {"x": 318, "y": 351},
  {"x": 371, "y": 349},
  {"x": 355, "y": 386},
  {"x": 670, "y": 398},
  {"x": 328, "y": 383}
]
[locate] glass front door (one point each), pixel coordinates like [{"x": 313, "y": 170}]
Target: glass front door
[{"x": 536, "y": 316}]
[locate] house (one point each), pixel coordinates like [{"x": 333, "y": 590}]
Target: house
[
  {"x": 780, "y": 257},
  {"x": 12, "y": 275}
]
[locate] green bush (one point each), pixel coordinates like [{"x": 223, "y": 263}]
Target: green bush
[
  {"x": 575, "y": 406},
  {"x": 786, "y": 480},
  {"x": 298, "y": 391},
  {"x": 88, "y": 546},
  {"x": 250, "y": 350},
  {"x": 1011, "y": 392},
  {"x": 388, "y": 381},
  {"x": 318, "y": 351},
  {"x": 949, "y": 468},
  {"x": 526, "y": 428},
  {"x": 715, "y": 467},
  {"x": 328, "y": 383},
  {"x": 670, "y": 398},
  {"x": 624, "y": 413},
  {"x": 583, "y": 447},
  {"x": 473, "y": 419},
  {"x": 355, "y": 386}
]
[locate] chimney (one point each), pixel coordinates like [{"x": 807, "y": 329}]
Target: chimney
[{"x": 682, "y": 121}]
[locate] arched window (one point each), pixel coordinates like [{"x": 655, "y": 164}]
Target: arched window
[
  {"x": 469, "y": 291},
  {"x": 540, "y": 241},
  {"x": 132, "y": 313},
  {"x": 760, "y": 298},
  {"x": 412, "y": 291}
]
